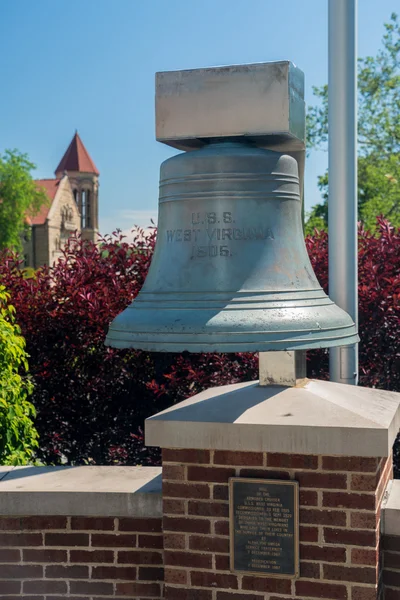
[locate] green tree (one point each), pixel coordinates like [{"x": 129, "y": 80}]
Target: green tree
[
  {"x": 378, "y": 135},
  {"x": 18, "y": 436},
  {"x": 19, "y": 197}
]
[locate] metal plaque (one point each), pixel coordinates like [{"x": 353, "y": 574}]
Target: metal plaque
[{"x": 264, "y": 527}]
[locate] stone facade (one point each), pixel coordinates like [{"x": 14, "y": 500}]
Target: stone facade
[{"x": 73, "y": 206}]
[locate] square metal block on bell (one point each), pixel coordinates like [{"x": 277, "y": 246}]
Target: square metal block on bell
[{"x": 263, "y": 102}]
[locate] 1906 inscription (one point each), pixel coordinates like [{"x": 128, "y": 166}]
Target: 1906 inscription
[
  {"x": 210, "y": 234},
  {"x": 264, "y": 527}
]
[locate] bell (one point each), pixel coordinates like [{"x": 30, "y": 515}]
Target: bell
[{"x": 230, "y": 271}]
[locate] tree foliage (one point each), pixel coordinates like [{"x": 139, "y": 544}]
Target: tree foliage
[
  {"x": 378, "y": 135},
  {"x": 19, "y": 197},
  {"x": 91, "y": 400},
  {"x": 18, "y": 437}
]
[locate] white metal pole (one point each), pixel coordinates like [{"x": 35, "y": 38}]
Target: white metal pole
[{"x": 342, "y": 205}]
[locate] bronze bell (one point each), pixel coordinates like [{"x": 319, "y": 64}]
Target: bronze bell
[{"x": 230, "y": 271}]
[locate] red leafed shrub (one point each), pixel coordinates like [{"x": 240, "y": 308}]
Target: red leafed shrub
[{"x": 91, "y": 400}]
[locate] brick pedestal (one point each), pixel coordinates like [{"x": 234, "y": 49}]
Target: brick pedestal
[
  {"x": 340, "y": 501},
  {"x": 240, "y": 431}
]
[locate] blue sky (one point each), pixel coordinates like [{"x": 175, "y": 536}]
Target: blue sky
[{"x": 90, "y": 64}]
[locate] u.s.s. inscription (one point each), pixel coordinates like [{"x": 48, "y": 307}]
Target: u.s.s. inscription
[{"x": 211, "y": 234}]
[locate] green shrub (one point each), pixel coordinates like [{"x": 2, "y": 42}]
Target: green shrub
[{"x": 18, "y": 436}]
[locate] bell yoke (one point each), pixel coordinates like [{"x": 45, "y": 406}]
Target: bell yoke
[{"x": 230, "y": 271}]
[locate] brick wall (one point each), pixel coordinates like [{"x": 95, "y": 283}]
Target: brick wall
[
  {"x": 49, "y": 558},
  {"x": 391, "y": 566},
  {"x": 340, "y": 500}
]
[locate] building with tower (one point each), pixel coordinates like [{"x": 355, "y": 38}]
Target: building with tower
[{"x": 73, "y": 206}]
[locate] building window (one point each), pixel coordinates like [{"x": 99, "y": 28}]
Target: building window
[
  {"x": 85, "y": 209},
  {"x": 76, "y": 196}
]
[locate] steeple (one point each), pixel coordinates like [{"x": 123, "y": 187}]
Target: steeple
[
  {"x": 84, "y": 179},
  {"x": 76, "y": 159}
]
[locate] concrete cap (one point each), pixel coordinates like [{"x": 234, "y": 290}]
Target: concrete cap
[
  {"x": 81, "y": 491},
  {"x": 315, "y": 417},
  {"x": 262, "y": 101},
  {"x": 390, "y": 522}
]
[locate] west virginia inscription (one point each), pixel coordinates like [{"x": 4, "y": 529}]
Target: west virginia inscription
[
  {"x": 210, "y": 234},
  {"x": 264, "y": 527}
]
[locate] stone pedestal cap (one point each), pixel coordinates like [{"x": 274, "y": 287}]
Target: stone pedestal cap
[
  {"x": 314, "y": 417},
  {"x": 263, "y": 102}
]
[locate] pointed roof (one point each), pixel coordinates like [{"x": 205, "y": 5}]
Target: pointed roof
[
  {"x": 50, "y": 186},
  {"x": 76, "y": 158}
]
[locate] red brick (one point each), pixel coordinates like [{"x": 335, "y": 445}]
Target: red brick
[
  {"x": 361, "y": 556},
  {"x": 322, "y": 480},
  {"x": 10, "y": 555},
  {"x": 111, "y": 540},
  {"x": 364, "y": 593},
  {"x": 315, "y": 589},
  {"x": 391, "y": 542},
  {"x": 100, "y": 523},
  {"x": 264, "y": 473},
  {"x": 221, "y": 528},
  {"x": 360, "y": 520},
  {"x": 350, "y": 463},
  {"x": 238, "y": 596},
  {"x": 173, "y": 506},
  {"x": 308, "y": 498},
  {"x": 308, "y": 534},
  {"x": 390, "y": 594},
  {"x": 10, "y": 587},
  {"x": 32, "y": 523},
  {"x": 91, "y": 556},
  {"x": 222, "y": 562},
  {"x": 245, "y": 459},
  {"x": 139, "y": 557},
  {"x": 8, "y": 571},
  {"x": 208, "y": 579},
  {"x": 350, "y": 537},
  {"x": 364, "y": 483},
  {"x": 21, "y": 539},
  {"x": 174, "y": 541},
  {"x": 187, "y": 525},
  {"x": 151, "y": 574},
  {"x": 187, "y": 559},
  {"x": 172, "y": 593},
  {"x": 292, "y": 461},
  {"x": 138, "y": 590},
  {"x": 140, "y": 525},
  {"x": 392, "y": 559},
  {"x": 220, "y": 492},
  {"x": 44, "y": 587},
  {"x": 323, "y": 517},
  {"x": 178, "y": 576},
  {"x": 67, "y": 572},
  {"x": 210, "y": 474},
  {"x": 391, "y": 578},
  {"x": 208, "y": 543},
  {"x": 353, "y": 574},
  {"x": 322, "y": 553},
  {"x": 91, "y": 587},
  {"x": 150, "y": 541},
  {"x": 121, "y": 573},
  {"x": 261, "y": 584},
  {"x": 176, "y": 472},
  {"x": 208, "y": 509},
  {"x": 48, "y": 555},
  {"x": 186, "y": 490},
  {"x": 185, "y": 456},
  {"x": 343, "y": 500},
  {"x": 310, "y": 570},
  {"x": 66, "y": 539}
]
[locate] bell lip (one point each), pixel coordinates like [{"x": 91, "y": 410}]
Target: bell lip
[{"x": 233, "y": 347}]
